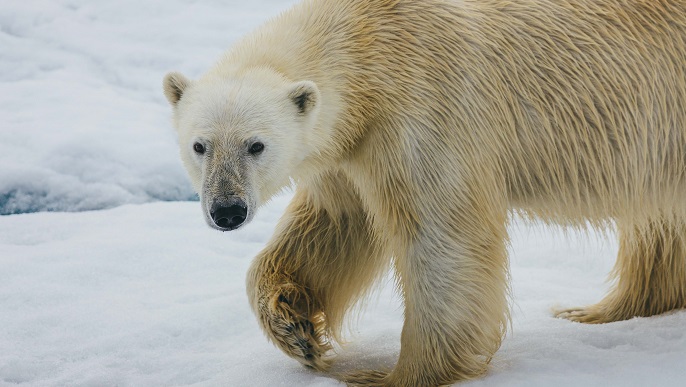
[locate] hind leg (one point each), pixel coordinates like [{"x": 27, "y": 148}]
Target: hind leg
[{"x": 650, "y": 273}]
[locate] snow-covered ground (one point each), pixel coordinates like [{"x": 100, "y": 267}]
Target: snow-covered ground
[
  {"x": 145, "y": 294},
  {"x": 148, "y": 295}
]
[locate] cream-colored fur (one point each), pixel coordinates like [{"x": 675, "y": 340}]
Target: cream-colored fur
[{"x": 427, "y": 124}]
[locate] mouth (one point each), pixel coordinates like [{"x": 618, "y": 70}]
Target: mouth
[{"x": 224, "y": 229}]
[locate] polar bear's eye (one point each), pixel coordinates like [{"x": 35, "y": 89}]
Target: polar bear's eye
[
  {"x": 256, "y": 148},
  {"x": 199, "y": 148}
]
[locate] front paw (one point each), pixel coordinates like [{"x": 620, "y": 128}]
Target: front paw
[{"x": 295, "y": 324}]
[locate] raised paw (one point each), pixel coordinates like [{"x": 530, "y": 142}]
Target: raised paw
[
  {"x": 366, "y": 378},
  {"x": 295, "y": 325}
]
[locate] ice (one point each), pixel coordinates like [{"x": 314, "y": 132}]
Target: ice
[
  {"x": 147, "y": 295},
  {"x": 84, "y": 124}
]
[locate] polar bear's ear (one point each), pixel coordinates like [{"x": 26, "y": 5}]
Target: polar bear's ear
[
  {"x": 304, "y": 95},
  {"x": 174, "y": 84}
]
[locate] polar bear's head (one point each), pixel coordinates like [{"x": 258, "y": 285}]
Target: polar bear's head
[{"x": 241, "y": 138}]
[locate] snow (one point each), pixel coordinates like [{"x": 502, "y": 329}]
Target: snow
[
  {"x": 143, "y": 293},
  {"x": 84, "y": 123},
  {"x": 147, "y": 294}
]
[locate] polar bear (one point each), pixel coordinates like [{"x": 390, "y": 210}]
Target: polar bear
[{"x": 413, "y": 130}]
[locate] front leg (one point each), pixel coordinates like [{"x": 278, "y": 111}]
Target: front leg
[
  {"x": 454, "y": 283},
  {"x": 321, "y": 260}
]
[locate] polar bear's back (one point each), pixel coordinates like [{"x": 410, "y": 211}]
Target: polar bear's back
[{"x": 579, "y": 102}]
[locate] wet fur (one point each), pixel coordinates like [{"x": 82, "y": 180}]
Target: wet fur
[{"x": 438, "y": 120}]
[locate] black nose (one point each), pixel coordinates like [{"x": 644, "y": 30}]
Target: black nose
[{"x": 231, "y": 216}]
